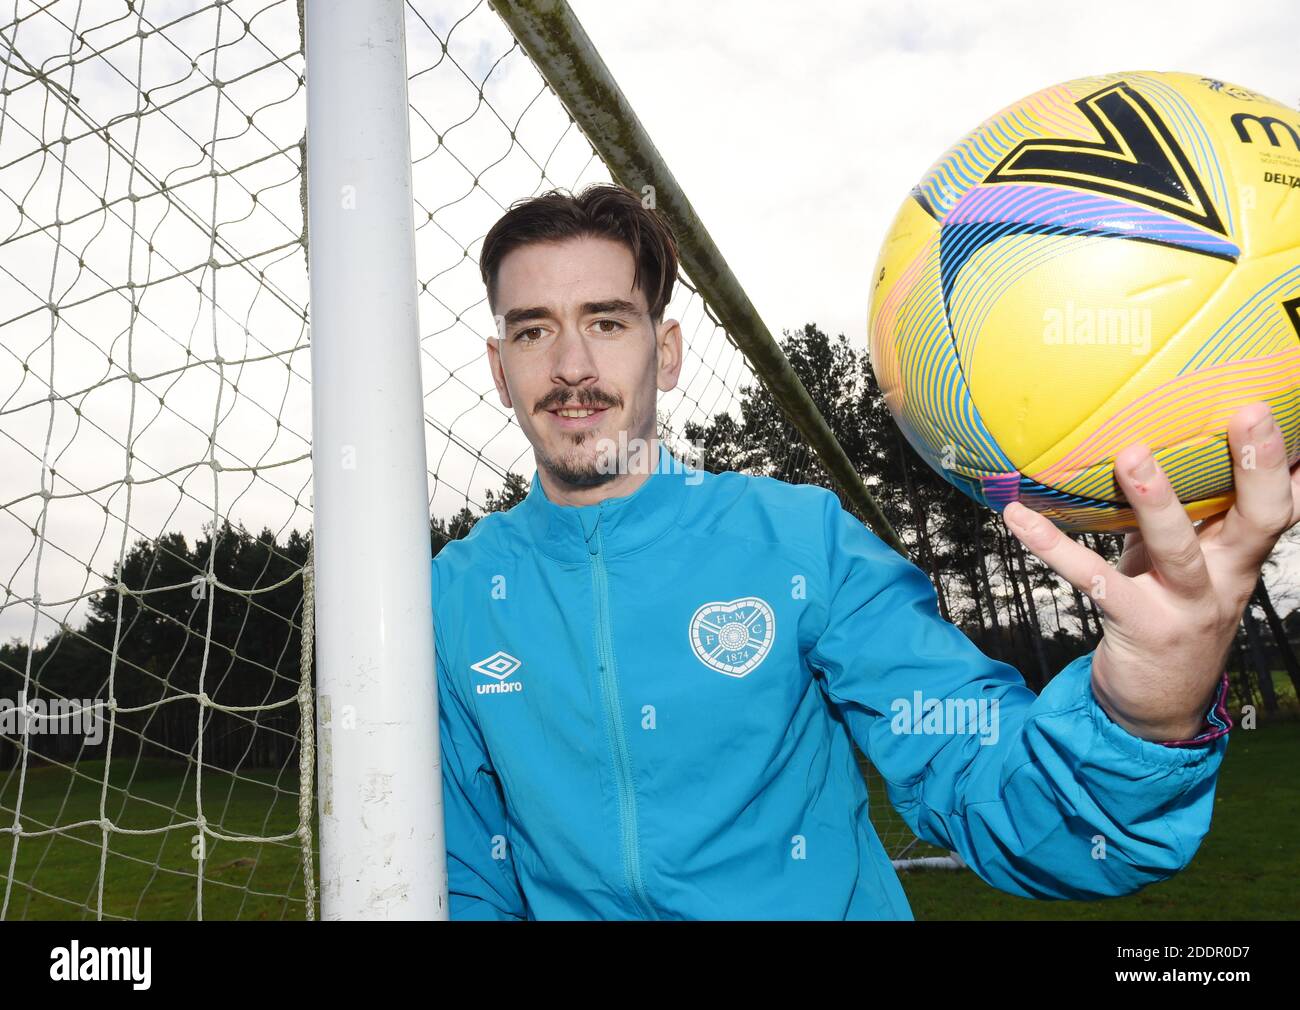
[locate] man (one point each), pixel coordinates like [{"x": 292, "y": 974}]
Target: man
[{"x": 650, "y": 680}]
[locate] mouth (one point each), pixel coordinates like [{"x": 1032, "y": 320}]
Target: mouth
[{"x": 575, "y": 418}]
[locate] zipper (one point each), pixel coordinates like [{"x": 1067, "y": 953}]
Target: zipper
[{"x": 614, "y": 725}]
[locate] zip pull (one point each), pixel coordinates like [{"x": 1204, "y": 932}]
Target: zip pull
[{"x": 590, "y": 519}]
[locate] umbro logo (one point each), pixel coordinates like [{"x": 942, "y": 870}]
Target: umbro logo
[{"x": 499, "y": 666}]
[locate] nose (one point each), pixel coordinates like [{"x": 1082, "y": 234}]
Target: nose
[{"x": 574, "y": 364}]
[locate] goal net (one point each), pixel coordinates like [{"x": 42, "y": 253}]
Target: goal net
[{"x": 157, "y": 702}]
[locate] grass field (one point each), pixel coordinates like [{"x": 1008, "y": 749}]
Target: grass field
[
  {"x": 153, "y": 876},
  {"x": 1246, "y": 869}
]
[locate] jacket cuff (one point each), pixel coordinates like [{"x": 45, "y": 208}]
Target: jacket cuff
[
  {"x": 1070, "y": 693},
  {"x": 1217, "y": 721}
]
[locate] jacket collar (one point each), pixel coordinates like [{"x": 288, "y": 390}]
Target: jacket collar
[{"x": 618, "y": 525}]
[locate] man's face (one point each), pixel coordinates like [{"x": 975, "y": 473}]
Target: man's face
[{"x": 577, "y": 356}]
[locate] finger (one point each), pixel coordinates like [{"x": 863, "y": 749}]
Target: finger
[
  {"x": 1086, "y": 570},
  {"x": 1172, "y": 547},
  {"x": 1133, "y": 558},
  {"x": 1295, "y": 496},
  {"x": 1265, "y": 497}
]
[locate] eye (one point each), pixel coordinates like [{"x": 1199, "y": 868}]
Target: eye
[
  {"x": 528, "y": 336},
  {"x": 613, "y": 324}
]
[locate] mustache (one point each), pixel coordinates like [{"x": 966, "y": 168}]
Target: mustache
[{"x": 595, "y": 399}]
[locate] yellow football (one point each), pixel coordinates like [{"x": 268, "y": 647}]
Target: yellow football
[{"x": 1108, "y": 261}]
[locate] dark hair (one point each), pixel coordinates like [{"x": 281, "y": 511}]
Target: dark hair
[{"x": 599, "y": 211}]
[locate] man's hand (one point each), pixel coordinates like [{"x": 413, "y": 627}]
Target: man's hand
[{"x": 1172, "y": 604}]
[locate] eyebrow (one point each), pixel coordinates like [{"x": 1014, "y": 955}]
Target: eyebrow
[{"x": 616, "y": 306}]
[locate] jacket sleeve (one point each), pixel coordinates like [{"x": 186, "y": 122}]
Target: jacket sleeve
[
  {"x": 1042, "y": 795},
  {"x": 481, "y": 879}
]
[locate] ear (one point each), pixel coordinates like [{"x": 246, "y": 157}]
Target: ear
[
  {"x": 498, "y": 371},
  {"x": 668, "y": 341}
]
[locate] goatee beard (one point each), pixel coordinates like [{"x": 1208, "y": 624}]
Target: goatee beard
[{"x": 578, "y": 476}]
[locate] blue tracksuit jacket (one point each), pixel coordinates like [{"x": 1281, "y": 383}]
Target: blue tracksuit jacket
[{"x": 648, "y": 706}]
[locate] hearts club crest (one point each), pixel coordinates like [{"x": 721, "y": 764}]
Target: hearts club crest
[{"x": 733, "y": 638}]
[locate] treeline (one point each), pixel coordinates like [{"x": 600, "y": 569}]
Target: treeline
[{"x": 175, "y": 635}]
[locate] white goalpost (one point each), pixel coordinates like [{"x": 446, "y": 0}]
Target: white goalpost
[
  {"x": 243, "y": 385},
  {"x": 382, "y": 851}
]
